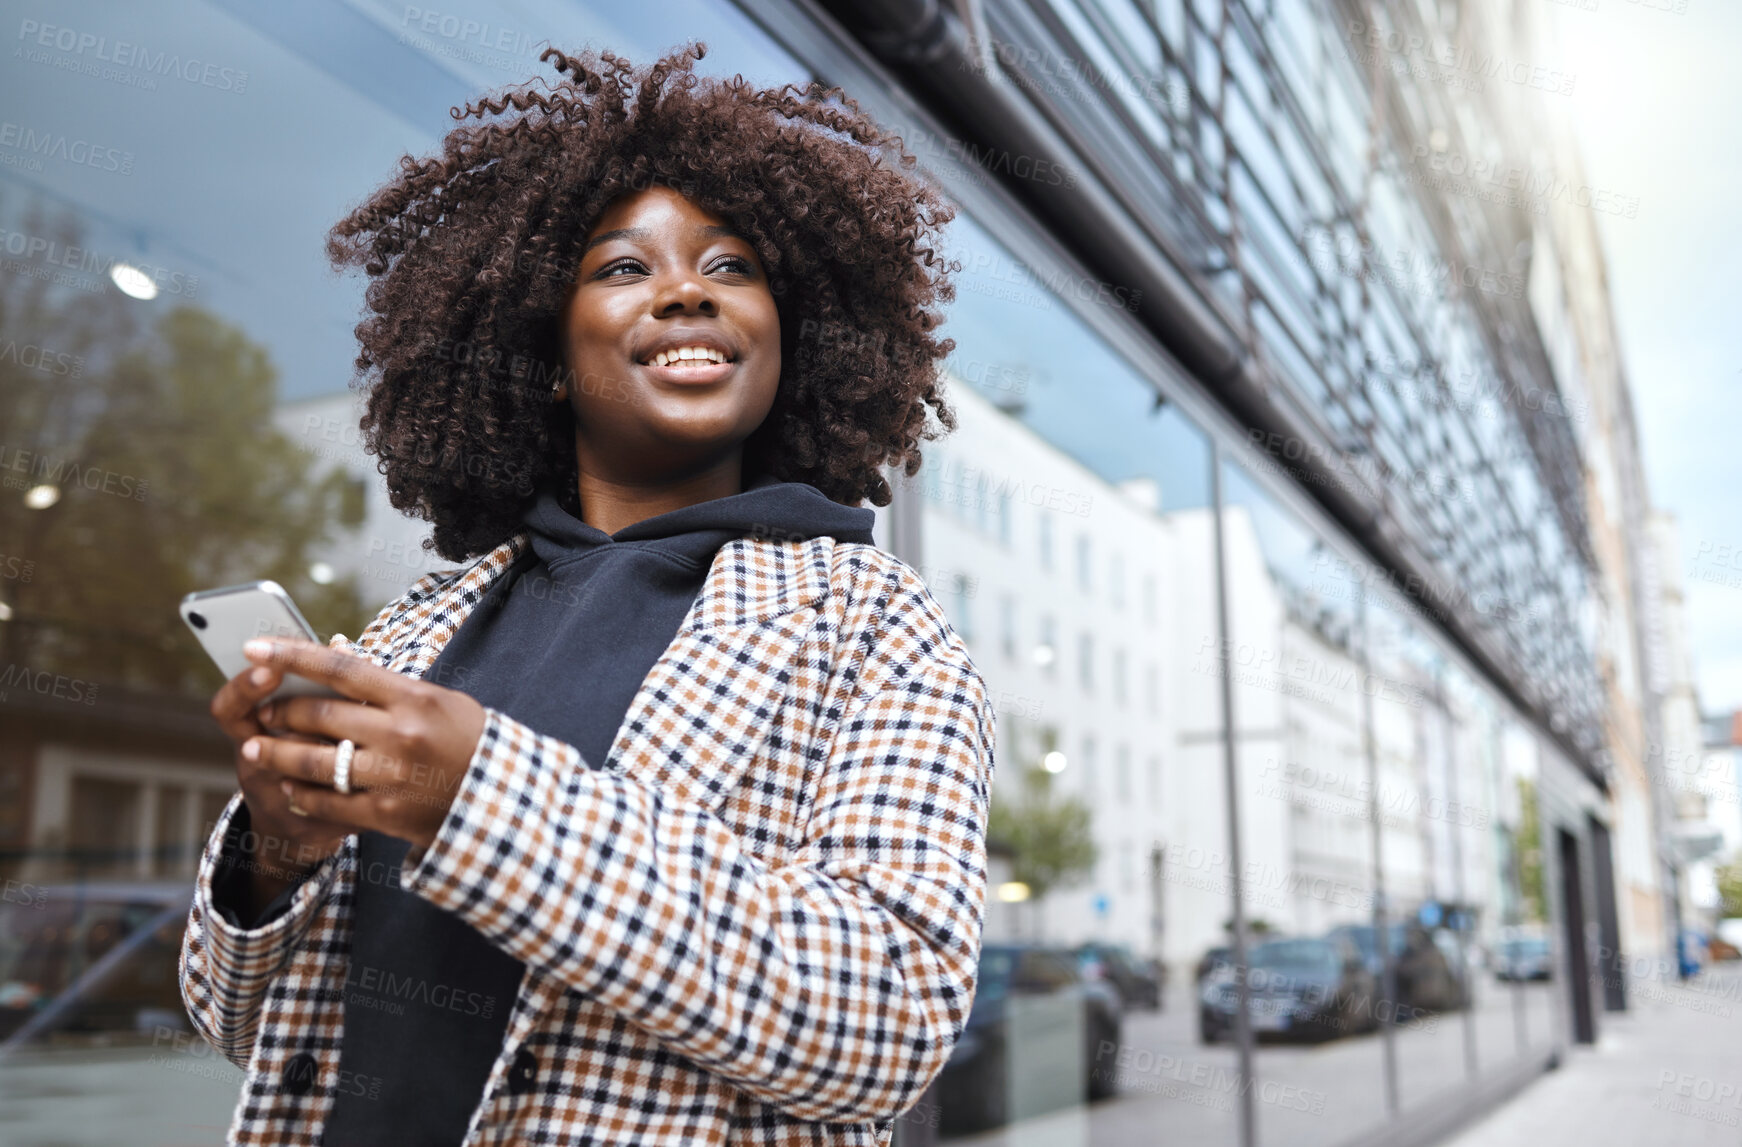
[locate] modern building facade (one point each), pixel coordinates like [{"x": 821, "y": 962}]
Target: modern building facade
[{"x": 1294, "y": 515}]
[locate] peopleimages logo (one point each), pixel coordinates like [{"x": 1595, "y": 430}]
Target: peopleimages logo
[
  {"x": 45, "y": 684},
  {"x": 41, "y": 359},
  {"x": 54, "y": 471},
  {"x": 54, "y": 253},
  {"x": 59, "y": 145},
  {"x": 385, "y": 990},
  {"x": 89, "y": 51}
]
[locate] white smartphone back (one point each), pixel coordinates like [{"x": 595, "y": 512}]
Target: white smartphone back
[{"x": 222, "y": 619}]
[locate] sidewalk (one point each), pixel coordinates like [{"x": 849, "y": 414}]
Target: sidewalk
[{"x": 1666, "y": 1072}]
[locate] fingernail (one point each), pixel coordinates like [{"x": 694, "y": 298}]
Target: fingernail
[
  {"x": 251, "y": 749},
  {"x": 257, "y": 647},
  {"x": 260, "y": 676},
  {"x": 288, "y": 791}
]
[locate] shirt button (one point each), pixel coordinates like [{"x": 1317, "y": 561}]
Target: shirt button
[
  {"x": 523, "y": 1073},
  {"x": 299, "y": 1074}
]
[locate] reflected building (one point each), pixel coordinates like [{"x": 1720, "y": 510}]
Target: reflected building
[{"x": 1295, "y": 518}]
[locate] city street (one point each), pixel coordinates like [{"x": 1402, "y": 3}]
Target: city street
[{"x": 1304, "y": 1094}]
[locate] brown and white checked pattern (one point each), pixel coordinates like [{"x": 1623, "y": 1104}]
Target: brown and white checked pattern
[{"x": 759, "y": 922}]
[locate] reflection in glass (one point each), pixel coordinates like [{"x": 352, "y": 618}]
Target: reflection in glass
[
  {"x": 1294, "y": 663},
  {"x": 1110, "y": 854}
]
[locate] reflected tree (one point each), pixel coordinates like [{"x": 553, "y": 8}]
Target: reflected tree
[
  {"x": 1052, "y": 837},
  {"x": 139, "y": 462},
  {"x": 1529, "y": 854},
  {"x": 1729, "y": 879}
]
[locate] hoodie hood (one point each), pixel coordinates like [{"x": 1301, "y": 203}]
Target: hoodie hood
[{"x": 767, "y": 507}]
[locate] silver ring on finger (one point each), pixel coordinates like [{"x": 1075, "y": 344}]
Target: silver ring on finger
[{"x": 342, "y": 766}]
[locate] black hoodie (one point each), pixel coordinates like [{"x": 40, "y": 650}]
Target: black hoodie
[{"x": 561, "y": 642}]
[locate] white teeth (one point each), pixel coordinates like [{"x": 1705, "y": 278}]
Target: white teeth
[{"x": 688, "y": 354}]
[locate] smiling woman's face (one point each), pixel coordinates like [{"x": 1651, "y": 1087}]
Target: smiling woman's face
[{"x": 673, "y": 340}]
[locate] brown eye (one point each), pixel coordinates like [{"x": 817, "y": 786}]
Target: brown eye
[{"x": 610, "y": 269}]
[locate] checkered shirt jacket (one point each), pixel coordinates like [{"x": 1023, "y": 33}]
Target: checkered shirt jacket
[{"x": 759, "y": 922}]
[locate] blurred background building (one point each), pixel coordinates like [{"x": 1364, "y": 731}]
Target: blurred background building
[{"x": 1296, "y": 520}]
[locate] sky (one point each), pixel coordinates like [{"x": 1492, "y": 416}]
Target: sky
[{"x": 1655, "y": 108}]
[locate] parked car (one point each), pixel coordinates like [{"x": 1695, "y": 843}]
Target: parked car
[
  {"x": 1524, "y": 958},
  {"x": 1314, "y": 987},
  {"x": 1138, "y": 981},
  {"x": 90, "y": 958},
  {"x": 974, "y": 1088},
  {"x": 1212, "y": 960},
  {"x": 1426, "y": 978}
]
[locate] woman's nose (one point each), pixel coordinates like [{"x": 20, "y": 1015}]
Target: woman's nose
[{"x": 688, "y": 293}]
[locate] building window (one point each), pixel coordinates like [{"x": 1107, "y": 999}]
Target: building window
[
  {"x": 1149, "y": 596},
  {"x": 1122, "y": 773},
  {"x": 1007, "y": 625},
  {"x": 1119, "y": 676},
  {"x": 961, "y": 599},
  {"x": 1091, "y": 775},
  {"x": 1084, "y": 580},
  {"x": 1116, "y": 582},
  {"x": 1155, "y": 783},
  {"x": 1152, "y": 690},
  {"x": 1004, "y": 517},
  {"x": 1043, "y": 540},
  {"x": 105, "y": 827},
  {"x": 1086, "y": 662},
  {"x": 1046, "y": 653}
]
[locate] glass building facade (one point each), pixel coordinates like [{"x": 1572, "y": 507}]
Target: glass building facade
[{"x": 1263, "y": 523}]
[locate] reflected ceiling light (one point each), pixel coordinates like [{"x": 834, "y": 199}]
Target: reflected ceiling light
[
  {"x": 42, "y": 497},
  {"x": 5, "y": 612},
  {"x": 1043, "y": 655},
  {"x": 1013, "y": 891},
  {"x": 1053, "y": 762},
  {"x": 132, "y": 281},
  {"x": 321, "y": 573}
]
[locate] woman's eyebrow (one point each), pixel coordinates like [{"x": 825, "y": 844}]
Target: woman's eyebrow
[
  {"x": 619, "y": 233},
  {"x": 714, "y": 230}
]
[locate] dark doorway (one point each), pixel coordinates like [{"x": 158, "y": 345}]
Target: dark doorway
[
  {"x": 1611, "y": 965},
  {"x": 1573, "y": 920}
]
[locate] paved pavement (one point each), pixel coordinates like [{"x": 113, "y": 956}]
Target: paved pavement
[
  {"x": 177, "y": 1094},
  {"x": 1666, "y": 1073}
]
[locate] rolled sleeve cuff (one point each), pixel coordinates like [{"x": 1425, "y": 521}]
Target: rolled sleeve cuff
[
  {"x": 244, "y": 954},
  {"x": 461, "y": 869},
  {"x": 230, "y": 883}
]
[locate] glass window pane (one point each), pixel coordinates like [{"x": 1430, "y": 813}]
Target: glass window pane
[
  {"x": 1412, "y": 725},
  {"x": 1109, "y": 816},
  {"x": 1294, "y": 663}
]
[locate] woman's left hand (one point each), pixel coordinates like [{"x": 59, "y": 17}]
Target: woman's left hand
[{"x": 414, "y": 741}]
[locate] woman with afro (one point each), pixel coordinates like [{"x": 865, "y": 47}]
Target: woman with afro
[{"x": 662, "y": 819}]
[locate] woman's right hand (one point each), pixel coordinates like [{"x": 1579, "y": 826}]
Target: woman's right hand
[{"x": 282, "y": 846}]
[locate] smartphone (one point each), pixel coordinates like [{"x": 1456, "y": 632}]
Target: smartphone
[{"x": 223, "y": 619}]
